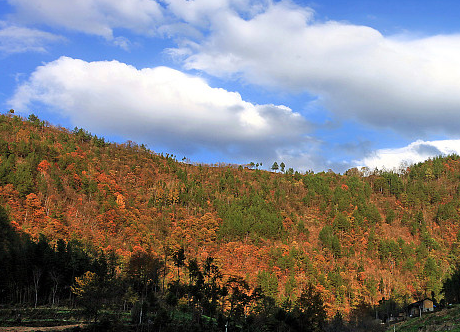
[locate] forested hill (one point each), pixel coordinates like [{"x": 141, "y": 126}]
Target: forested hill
[{"x": 355, "y": 237}]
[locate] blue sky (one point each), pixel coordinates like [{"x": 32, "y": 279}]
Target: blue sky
[{"x": 316, "y": 84}]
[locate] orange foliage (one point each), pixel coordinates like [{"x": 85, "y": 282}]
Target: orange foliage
[
  {"x": 43, "y": 166},
  {"x": 120, "y": 200}
]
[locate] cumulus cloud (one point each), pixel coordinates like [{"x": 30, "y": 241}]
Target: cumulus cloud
[
  {"x": 17, "y": 39},
  {"x": 406, "y": 83},
  {"x": 98, "y": 17},
  {"x": 160, "y": 106},
  {"x": 393, "y": 159},
  {"x": 401, "y": 82}
]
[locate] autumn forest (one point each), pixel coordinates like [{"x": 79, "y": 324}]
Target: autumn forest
[{"x": 100, "y": 225}]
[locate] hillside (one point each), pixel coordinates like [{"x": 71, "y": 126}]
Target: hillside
[
  {"x": 441, "y": 321},
  {"x": 356, "y": 237}
]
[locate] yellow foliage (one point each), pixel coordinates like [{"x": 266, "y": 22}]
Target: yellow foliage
[{"x": 85, "y": 284}]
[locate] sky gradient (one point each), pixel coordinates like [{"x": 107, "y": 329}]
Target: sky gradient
[{"x": 317, "y": 85}]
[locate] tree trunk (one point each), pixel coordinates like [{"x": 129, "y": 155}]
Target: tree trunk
[{"x": 37, "y": 272}]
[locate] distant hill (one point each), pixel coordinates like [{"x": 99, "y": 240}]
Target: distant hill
[{"x": 357, "y": 237}]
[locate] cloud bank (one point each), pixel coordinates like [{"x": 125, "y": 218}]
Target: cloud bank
[
  {"x": 406, "y": 83},
  {"x": 160, "y": 106},
  {"x": 393, "y": 159}
]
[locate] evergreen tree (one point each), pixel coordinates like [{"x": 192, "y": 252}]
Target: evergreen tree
[{"x": 282, "y": 167}]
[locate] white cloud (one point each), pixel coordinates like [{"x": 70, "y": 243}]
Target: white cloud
[
  {"x": 160, "y": 106},
  {"x": 197, "y": 12},
  {"x": 409, "y": 84},
  {"x": 200, "y": 13},
  {"x": 122, "y": 42},
  {"x": 393, "y": 159},
  {"x": 406, "y": 83},
  {"x": 16, "y": 39},
  {"x": 172, "y": 18},
  {"x": 98, "y": 17}
]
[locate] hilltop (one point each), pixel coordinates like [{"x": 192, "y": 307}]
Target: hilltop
[{"x": 356, "y": 237}]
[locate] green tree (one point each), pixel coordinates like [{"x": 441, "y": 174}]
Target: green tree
[
  {"x": 432, "y": 273},
  {"x": 330, "y": 240},
  {"x": 275, "y": 166},
  {"x": 23, "y": 179},
  {"x": 341, "y": 223},
  {"x": 282, "y": 167},
  {"x": 7, "y": 167},
  {"x": 268, "y": 282},
  {"x": 451, "y": 287},
  {"x": 390, "y": 216},
  {"x": 249, "y": 215}
]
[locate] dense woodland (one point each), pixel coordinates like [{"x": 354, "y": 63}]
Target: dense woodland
[{"x": 98, "y": 224}]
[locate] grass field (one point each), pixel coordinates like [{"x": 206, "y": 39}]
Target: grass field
[{"x": 446, "y": 320}]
